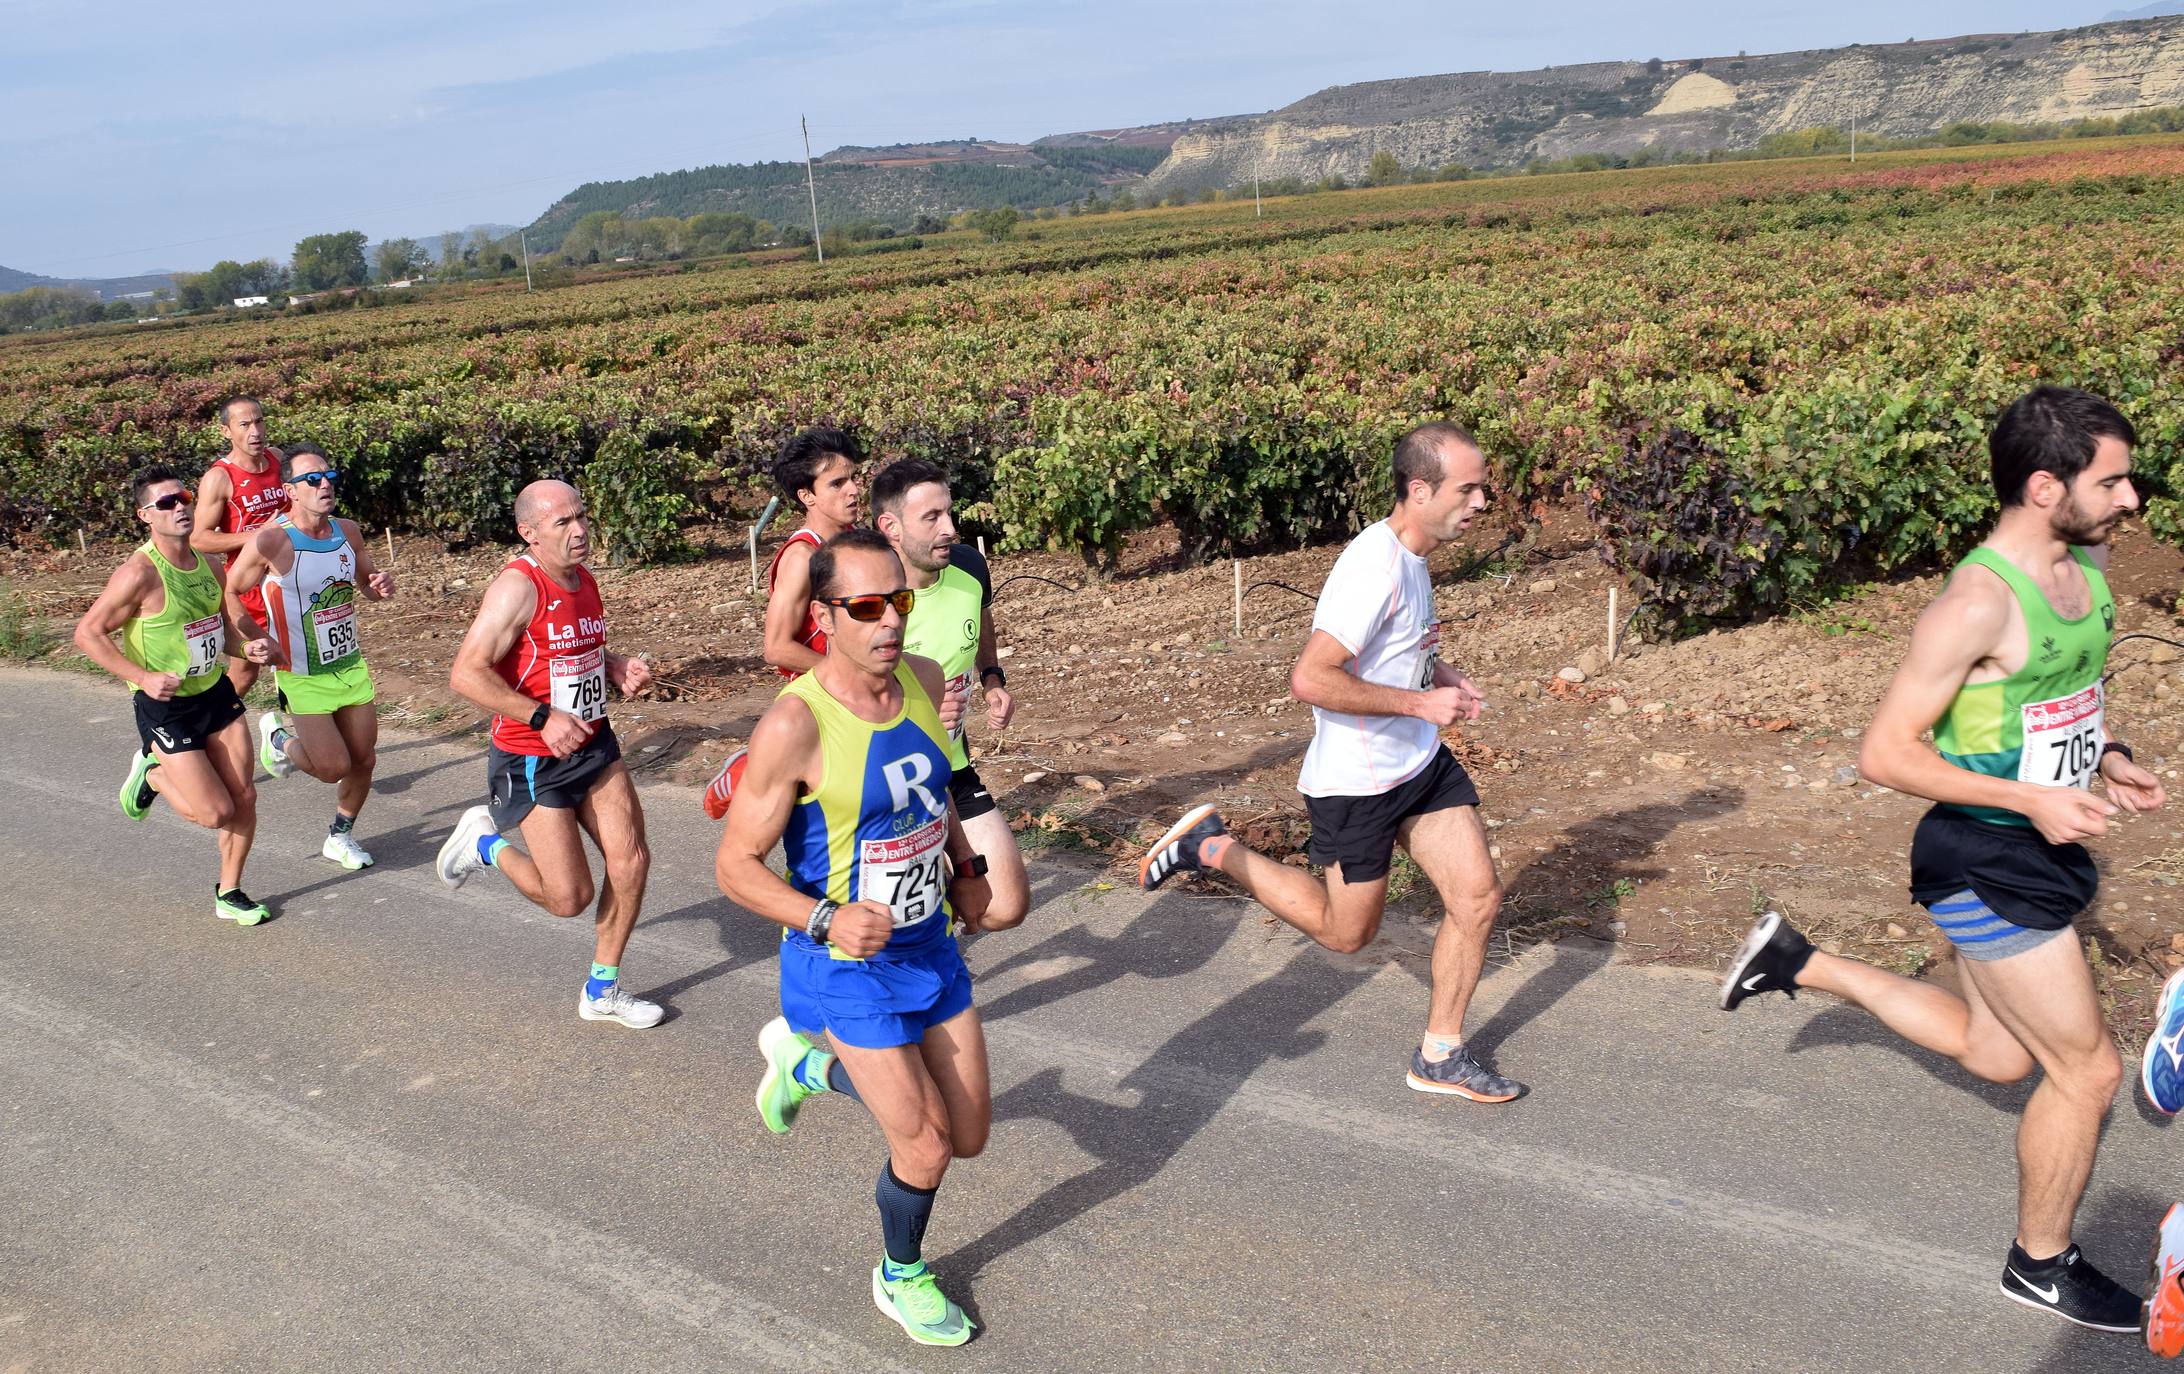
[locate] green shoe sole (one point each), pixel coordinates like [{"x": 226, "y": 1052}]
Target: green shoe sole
[
  {"x": 954, "y": 1329},
  {"x": 779, "y": 1094},
  {"x": 240, "y": 915},
  {"x": 132, "y": 787}
]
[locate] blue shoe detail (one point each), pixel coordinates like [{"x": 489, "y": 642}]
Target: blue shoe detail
[{"x": 2161, "y": 1068}]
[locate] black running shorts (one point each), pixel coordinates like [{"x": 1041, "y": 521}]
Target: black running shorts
[
  {"x": 517, "y": 782},
  {"x": 970, "y": 795},
  {"x": 2024, "y": 879},
  {"x": 185, "y": 725},
  {"x": 1359, "y": 832}
]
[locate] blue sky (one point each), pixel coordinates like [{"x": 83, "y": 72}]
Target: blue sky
[{"x": 145, "y": 135}]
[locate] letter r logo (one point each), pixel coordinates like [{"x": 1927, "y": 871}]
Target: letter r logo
[{"x": 906, "y": 775}]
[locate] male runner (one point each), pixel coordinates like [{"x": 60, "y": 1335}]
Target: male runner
[
  {"x": 166, "y": 602},
  {"x": 817, "y": 470},
  {"x": 848, "y": 770},
  {"x": 1376, "y": 773},
  {"x": 313, "y": 567},
  {"x": 241, "y": 491},
  {"x": 952, "y": 624},
  {"x": 2005, "y": 668},
  {"x": 536, "y": 657}
]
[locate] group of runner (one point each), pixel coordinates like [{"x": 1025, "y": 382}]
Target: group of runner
[{"x": 860, "y": 771}]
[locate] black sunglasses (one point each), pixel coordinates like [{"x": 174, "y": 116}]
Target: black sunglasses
[
  {"x": 170, "y": 500},
  {"x": 312, "y": 479},
  {"x": 872, "y": 605}
]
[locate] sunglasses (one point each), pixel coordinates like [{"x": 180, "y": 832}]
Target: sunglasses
[
  {"x": 322, "y": 476},
  {"x": 168, "y": 502},
  {"x": 872, "y": 605}
]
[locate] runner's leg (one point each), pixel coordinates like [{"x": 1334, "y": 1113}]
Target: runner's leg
[
  {"x": 898, "y": 1089},
  {"x": 193, "y": 787},
  {"x": 555, "y": 874},
  {"x": 1450, "y": 845},
  {"x": 610, "y": 813},
  {"x": 1962, "y": 1028},
  {"x": 230, "y": 755},
  {"x": 317, "y": 745},
  {"x": 359, "y": 727},
  {"x": 242, "y": 675},
  {"x": 1341, "y": 915},
  {"x": 991, "y": 837},
  {"x": 955, "y": 1056}
]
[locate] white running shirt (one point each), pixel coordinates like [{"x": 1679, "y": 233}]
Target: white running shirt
[{"x": 1378, "y": 604}]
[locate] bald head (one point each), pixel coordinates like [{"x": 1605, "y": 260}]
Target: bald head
[
  {"x": 536, "y": 502},
  {"x": 551, "y": 521}
]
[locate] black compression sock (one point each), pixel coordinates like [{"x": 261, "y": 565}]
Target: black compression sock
[{"x": 904, "y": 1210}]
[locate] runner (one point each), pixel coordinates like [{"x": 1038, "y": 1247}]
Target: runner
[
  {"x": 2005, "y": 668},
  {"x": 2164, "y": 1320},
  {"x": 817, "y": 470},
  {"x": 166, "y": 602},
  {"x": 313, "y": 567},
  {"x": 847, "y": 772},
  {"x": 241, "y": 492},
  {"x": 536, "y": 657},
  {"x": 1377, "y": 774},
  {"x": 952, "y": 624}
]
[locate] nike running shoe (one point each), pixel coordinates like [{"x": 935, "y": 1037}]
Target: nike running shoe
[
  {"x": 2165, "y": 1304},
  {"x": 917, "y": 1305},
  {"x": 2071, "y": 1288},
  {"x": 344, "y": 850},
  {"x": 271, "y": 757},
  {"x": 1772, "y": 954},
  {"x": 722, "y": 788},
  {"x": 1177, "y": 851},
  {"x": 779, "y": 1092},
  {"x": 1462, "y": 1075},
  {"x": 2161, "y": 1067},
  {"x": 136, "y": 789},
  {"x": 459, "y": 856},
  {"x": 235, "y": 905},
  {"x": 617, "y": 1004}
]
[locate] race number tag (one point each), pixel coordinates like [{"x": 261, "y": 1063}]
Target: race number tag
[
  {"x": 906, "y": 873},
  {"x": 2062, "y": 740},
  {"x": 959, "y": 687},
  {"x": 579, "y": 685},
  {"x": 1429, "y": 655},
  {"x": 334, "y": 630},
  {"x": 205, "y": 638}
]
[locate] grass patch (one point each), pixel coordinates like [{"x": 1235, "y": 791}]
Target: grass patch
[{"x": 25, "y": 637}]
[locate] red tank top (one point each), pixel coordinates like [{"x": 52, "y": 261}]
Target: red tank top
[
  {"x": 810, "y": 635},
  {"x": 253, "y": 497},
  {"x": 561, "y": 659}
]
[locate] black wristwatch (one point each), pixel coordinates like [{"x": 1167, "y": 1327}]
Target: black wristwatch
[
  {"x": 539, "y": 717},
  {"x": 992, "y": 670},
  {"x": 974, "y": 866},
  {"x": 2114, "y": 748}
]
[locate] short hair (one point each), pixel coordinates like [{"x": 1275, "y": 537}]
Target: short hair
[
  {"x": 306, "y": 449},
  {"x": 823, "y": 558},
  {"x": 895, "y": 480},
  {"x": 804, "y": 453},
  {"x": 233, "y": 401},
  {"x": 2052, "y": 429},
  {"x": 1418, "y": 454},
  {"x": 148, "y": 477}
]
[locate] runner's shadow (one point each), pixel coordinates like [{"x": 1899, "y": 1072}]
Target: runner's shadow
[
  {"x": 1165, "y": 940},
  {"x": 402, "y": 782},
  {"x": 2116, "y": 1226},
  {"x": 1842, "y": 1024},
  {"x": 1179, "y": 1089}
]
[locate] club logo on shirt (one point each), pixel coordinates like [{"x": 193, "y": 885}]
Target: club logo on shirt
[{"x": 2048, "y": 650}]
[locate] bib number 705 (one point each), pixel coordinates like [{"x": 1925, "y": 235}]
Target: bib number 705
[{"x": 2062, "y": 740}]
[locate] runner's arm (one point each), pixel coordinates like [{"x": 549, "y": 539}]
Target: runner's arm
[
  {"x": 785, "y": 607},
  {"x": 1000, "y": 701},
  {"x": 1322, "y": 678},
  {"x": 246, "y": 570},
  {"x": 376, "y": 583},
  {"x": 117, "y": 604},
  {"x": 632, "y": 673},
  {"x": 207, "y": 536}
]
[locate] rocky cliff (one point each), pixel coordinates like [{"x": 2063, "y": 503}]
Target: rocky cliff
[{"x": 1505, "y": 118}]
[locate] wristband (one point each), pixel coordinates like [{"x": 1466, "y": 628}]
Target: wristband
[
  {"x": 539, "y": 717},
  {"x": 822, "y": 916},
  {"x": 993, "y": 670},
  {"x": 2114, "y": 748}
]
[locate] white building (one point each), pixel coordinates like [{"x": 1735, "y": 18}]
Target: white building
[{"x": 246, "y": 302}]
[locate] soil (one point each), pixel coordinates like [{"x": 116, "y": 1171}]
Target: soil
[{"x": 1653, "y": 806}]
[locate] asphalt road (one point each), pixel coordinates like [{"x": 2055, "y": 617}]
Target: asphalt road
[{"x": 374, "y": 1134}]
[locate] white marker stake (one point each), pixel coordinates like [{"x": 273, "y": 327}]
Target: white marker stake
[
  {"x": 390, "y": 546},
  {"x": 1612, "y": 625},
  {"x": 754, "y": 558},
  {"x": 982, "y": 548},
  {"x": 1237, "y": 566}
]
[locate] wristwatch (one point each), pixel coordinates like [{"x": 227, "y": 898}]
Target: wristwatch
[
  {"x": 972, "y": 867},
  {"x": 539, "y": 717},
  {"x": 993, "y": 670},
  {"x": 2111, "y": 747}
]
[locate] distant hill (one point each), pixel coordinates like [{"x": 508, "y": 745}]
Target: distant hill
[
  {"x": 105, "y": 288},
  {"x": 2159, "y": 7}
]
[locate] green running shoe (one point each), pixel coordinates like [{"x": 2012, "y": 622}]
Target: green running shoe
[
  {"x": 136, "y": 789},
  {"x": 779, "y": 1094},
  {"x": 920, "y": 1308},
  {"x": 235, "y": 905}
]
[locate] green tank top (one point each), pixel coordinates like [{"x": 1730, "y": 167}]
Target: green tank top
[
  {"x": 187, "y": 636},
  {"x": 2042, "y": 723},
  {"x": 944, "y": 627}
]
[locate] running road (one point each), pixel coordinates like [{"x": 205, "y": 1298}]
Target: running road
[{"x": 373, "y": 1133}]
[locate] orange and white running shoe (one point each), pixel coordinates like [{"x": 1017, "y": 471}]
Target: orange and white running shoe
[
  {"x": 2164, "y": 1323},
  {"x": 722, "y": 788}
]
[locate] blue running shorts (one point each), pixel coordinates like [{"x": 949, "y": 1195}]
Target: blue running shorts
[{"x": 876, "y": 1003}]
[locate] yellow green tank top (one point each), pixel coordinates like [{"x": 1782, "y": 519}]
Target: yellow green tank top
[
  {"x": 2042, "y": 723},
  {"x": 187, "y": 637},
  {"x": 944, "y": 626},
  {"x": 876, "y": 827}
]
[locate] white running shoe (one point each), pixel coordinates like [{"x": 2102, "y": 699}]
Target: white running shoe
[
  {"x": 459, "y": 856},
  {"x": 344, "y": 850},
  {"x": 620, "y": 1005},
  {"x": 271, "y": 757}
]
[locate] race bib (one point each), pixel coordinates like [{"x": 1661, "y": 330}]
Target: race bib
[
  {"x": 2062, "y": 740},
  {"x": 334, "y": 632},
  {"x": 1429, "y": 655},
  {"x": 906, "y": 873},
  {"x": 206, "y": 639},
  {"x": 579, "y": 685}
]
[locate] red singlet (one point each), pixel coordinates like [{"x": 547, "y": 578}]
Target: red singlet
[
  {"x": 253, "y": 499},
  {"x": 811, "y": 635},
  {"x": 561, "y": 659}
]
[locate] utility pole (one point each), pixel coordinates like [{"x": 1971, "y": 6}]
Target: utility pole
[
  {"x": 1854, "y": 140},
  {"x": 1257, "y": 210},
  {"x": 525, "y": 240},
  {"x": 811, "y": 187}
]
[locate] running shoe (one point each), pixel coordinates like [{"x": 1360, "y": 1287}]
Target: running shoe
[
  {"x": 2165, "y": 1304},
  {"x": 1177, "y": 851},
  {"x": 136, "y": 789},
  {"x": 459, "y": 855},
  {"x": 1461, "y": 1075},
  {"x": 2071, "y": 1288},
  {"x": 344, "y": 850},
  {"x": 917, "y": 1305},
  {"x": 1768, "y": 962},
  {"x": 235, "y": 905},
  {"x": 271, "y": 757},
  {"x": 723, "y": 786},
  {"x": 618, "y": 1004},
  {"x": 779, "y": 1092},
  {"x": 2161, "y": 1067}
]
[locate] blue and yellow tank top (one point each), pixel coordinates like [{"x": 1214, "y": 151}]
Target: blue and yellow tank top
[{"x": 876, "y": 828}]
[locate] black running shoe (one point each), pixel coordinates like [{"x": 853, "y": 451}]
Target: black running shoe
[
  {"x": 1769, "y": 962},
  {"x": 1461, "y": 1075},
  {"x": 2071, "y": 1288},
  {"x": 1177, "y": 851}
]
